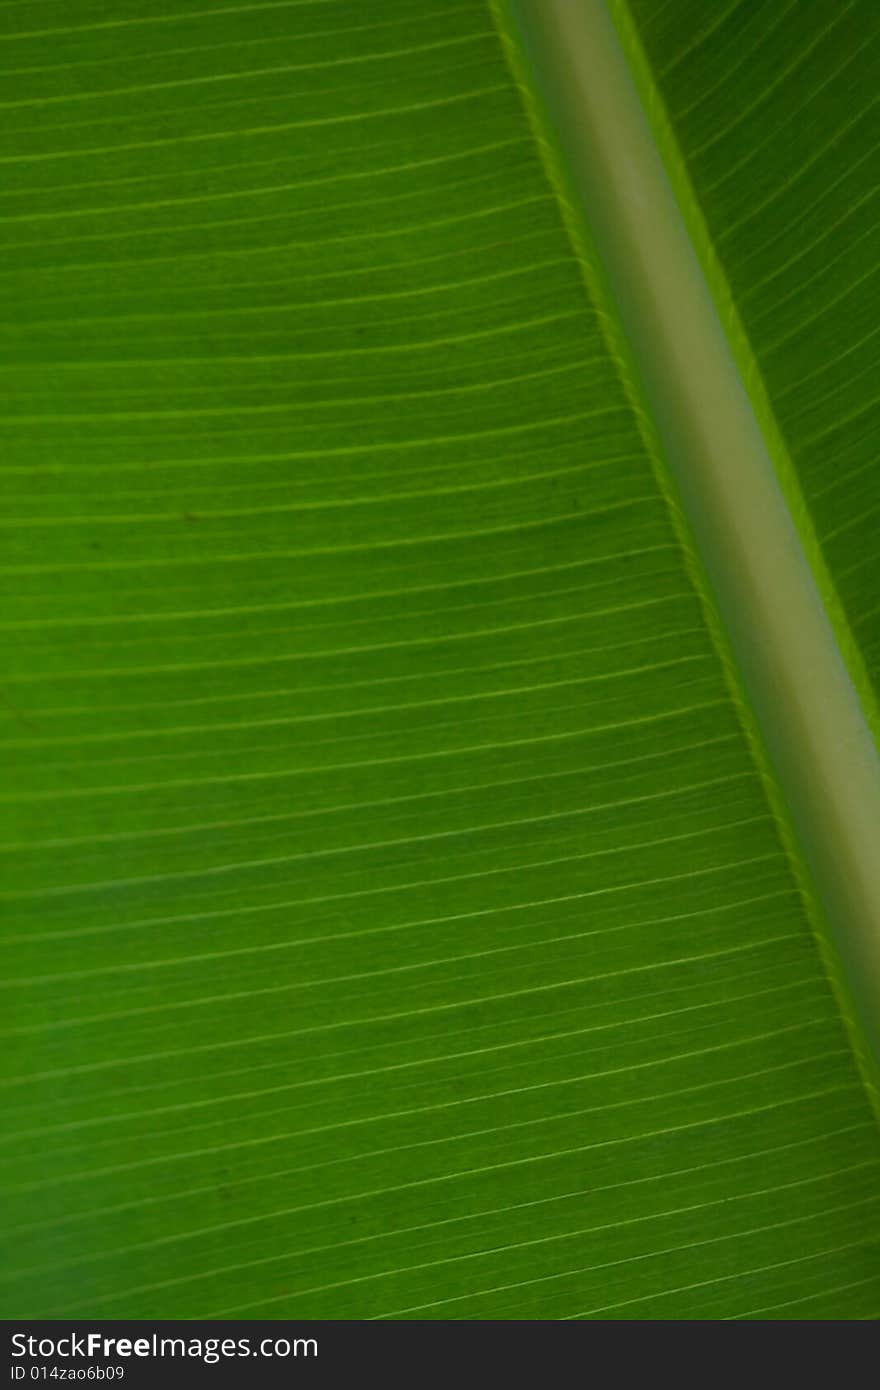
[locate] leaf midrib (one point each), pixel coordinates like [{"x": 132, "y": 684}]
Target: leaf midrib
[{"x": 721, "y": 461}]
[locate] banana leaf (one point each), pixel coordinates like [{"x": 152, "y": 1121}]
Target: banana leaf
[{"x": 412, "y": 906}]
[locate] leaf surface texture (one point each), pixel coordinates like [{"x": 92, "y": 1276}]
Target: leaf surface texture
[{"x": 398, "y": 925}]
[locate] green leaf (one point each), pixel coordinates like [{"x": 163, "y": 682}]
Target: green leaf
[
  {"x": 413, "y": 907},
  {"x": 773, "y": 107}
]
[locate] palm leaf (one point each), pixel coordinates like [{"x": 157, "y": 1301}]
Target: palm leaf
[{"x": 420, "y": 899}]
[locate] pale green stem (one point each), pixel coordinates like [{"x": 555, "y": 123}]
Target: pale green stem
[{"x": 789, "y": 662}]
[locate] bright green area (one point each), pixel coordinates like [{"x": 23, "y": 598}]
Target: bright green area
[
  {"x": 774, "y": 106},
  {"x": 399, "y": 927}
]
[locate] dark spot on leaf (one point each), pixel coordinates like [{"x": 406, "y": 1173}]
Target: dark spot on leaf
[{"x": 18, "y": 714}]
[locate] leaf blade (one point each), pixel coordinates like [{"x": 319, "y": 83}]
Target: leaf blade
[{"x": 344, "y": 1000}]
